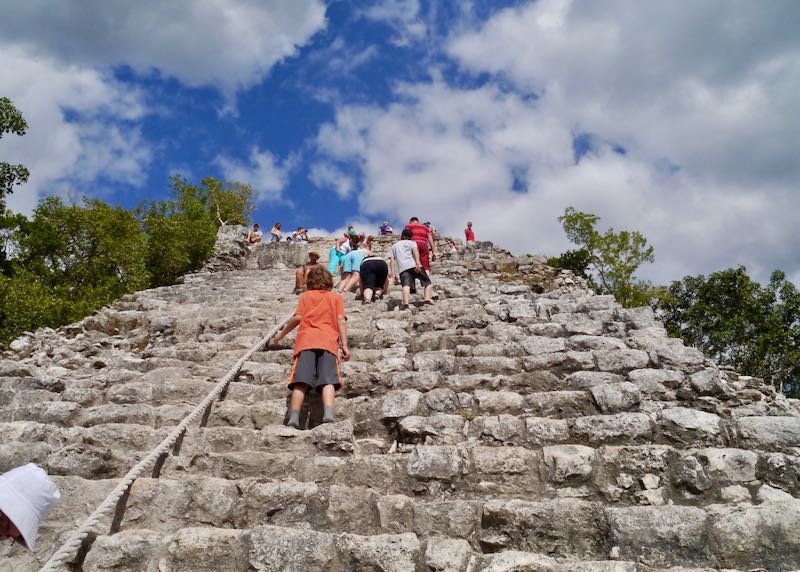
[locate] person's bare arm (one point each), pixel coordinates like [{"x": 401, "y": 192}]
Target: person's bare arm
[
  {"x": 415, "y": 250},
  {"x": 343, "y": 336},
  {"x": 293, "y": 322}
]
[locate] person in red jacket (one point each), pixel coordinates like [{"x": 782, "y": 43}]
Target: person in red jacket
[
  {"x": 470, "y": 234},
  {"x": 421, "y": 235}
]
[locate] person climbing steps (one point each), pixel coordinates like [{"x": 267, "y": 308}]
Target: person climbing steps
[{"x": 323, "y": 330}]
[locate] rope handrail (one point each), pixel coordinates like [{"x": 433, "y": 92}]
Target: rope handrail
[{"x": 73, "y": 543}]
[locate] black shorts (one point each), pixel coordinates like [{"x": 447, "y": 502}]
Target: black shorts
[
  {"x": 374, "y": 273},
  {"x": 315, "y": 368},
  {"x": 407, "y": 278}
]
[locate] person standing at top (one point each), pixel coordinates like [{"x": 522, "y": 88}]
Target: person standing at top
[
  {"x": 421, "y": 235},
  {"x": 255, "y": 236},
  {"x": 323, "y": 330},
  {"x": 469, "y": 233},
  {"x": 385, "y": 228},
  {"x": 408, "y": 265},
  {"x": 300, "y": 235},
  {"x": 27, "y": 495},
  {"x": 275, "y": 234}
]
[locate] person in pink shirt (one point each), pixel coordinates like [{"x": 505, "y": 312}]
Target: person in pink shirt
[{"x": 421, "y": 235}]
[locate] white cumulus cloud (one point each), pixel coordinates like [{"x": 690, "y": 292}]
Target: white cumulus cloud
[
  {"x": 261, "y": 170},
  {"x": 699, "y": 97}
]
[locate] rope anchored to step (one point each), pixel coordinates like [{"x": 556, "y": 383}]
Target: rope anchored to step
[{"x": 71, "y": 546}]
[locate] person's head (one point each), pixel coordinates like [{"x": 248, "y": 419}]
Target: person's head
[
  {"x": 313, "y": 256},
  {"x": 469, "y": 225},
  {"x": 406, "y": 234},
  {"x": 319, "y": 279},
  {"x": 27, "y": 495},
  {"x": 386, "y": 223},
  {"x": 413, "y": 219},
  {"x": 277, "y": 225},
  {"x": 256, "y": 227},
  {"x": 428, "y": 224}
]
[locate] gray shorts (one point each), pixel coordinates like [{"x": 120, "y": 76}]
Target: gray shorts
[
  {"x": 315, "y": 368},
  {"x": 409, "y": 277}
]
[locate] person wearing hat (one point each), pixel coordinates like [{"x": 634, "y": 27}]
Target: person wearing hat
[
  {"x": 27, "y": 495},
  {"x": 301, "y": 275}
]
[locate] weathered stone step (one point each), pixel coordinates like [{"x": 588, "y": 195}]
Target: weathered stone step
[{"x": 276, "y": 548}]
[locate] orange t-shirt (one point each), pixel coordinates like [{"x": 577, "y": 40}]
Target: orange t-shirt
[{"x": 319, "y": 325}]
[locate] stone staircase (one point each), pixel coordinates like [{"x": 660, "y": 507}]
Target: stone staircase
[{"x": 520, "y": 423}]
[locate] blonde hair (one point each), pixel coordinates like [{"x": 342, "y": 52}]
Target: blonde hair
[{"x": 319, "y": 279}]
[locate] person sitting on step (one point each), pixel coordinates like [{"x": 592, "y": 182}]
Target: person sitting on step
[
  {"x": 254, "y": 236},
  {"x": 323, "y": 331},
  {"x": 301, "y": 274}
]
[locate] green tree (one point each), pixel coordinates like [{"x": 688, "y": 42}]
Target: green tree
[
  {"x": 738, "y": 322},
  {"x": 609, "y": 260},
  {"x": 11, "y": 121},
  {"x": 67, "y": 262}
]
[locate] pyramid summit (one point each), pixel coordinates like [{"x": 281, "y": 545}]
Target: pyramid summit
[{"x": 521, "y": 422}]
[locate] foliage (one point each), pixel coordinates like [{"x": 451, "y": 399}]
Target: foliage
[
  {"x": 11, "y": 121},
  {"x": 69, "y": 260},
  {"x": 738, "y": 322},
  {"x": 609, "y": 260}
]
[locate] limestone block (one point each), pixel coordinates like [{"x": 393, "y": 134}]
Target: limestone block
[
  {"x": 568, "y": 462},
  {"x": 441, "y": 361},
  {"x": 443, "y": 429},
  {"x": 230, "y": 413},
  {"x": 520, "y": 310},
  {"x": 442, "y": 399},
  {"x": 400, "y": 403},
  {"x": 561, "y": 404},
  {"x": 535, "y": 345},
  {"x": 616, "y": 397},
  {"x": 780, "y": 470},
  {"x": 127, "y": 550},
  {"x": 671, "y": 352},
  {"x": 765, "y": 536},
  {"x": 278, "y": 502},
  {"x": 512, "y": 560},
  {"x": 769, "y": 433},
  {"x": 503, "y": 428},
  {"x": 194, "y": 549},
  {"x": 587, "y": 379},
  {"x": 396, "y": 513},
  {"x": 490, "y": 364},
  {"x": 690, "y": 426},
  {"x": 729, "y": 465},
  {"x": 609, "y": 429},
  {"x": 456, "y": 518},
  {"x": 420, "y": 380},
  {"x": 663, "y": 535},
  {"x": 499, "y": 401},
  {"x": 334, "y": 438},
  {"x": 386, "y": 552},
  {"x": 545, "y": 431},
  {"x": 447, "y": 554},
  {"x": 621, "y": 360},
  {"x": 277, "y": 549},
  {"x": 735, "y": 494},
  {"x": 548, "y": 360},
  {"x": 655, "y": 382},
  {"x": 501, "y": 460},
  {"x": 707, "y": 382},
  {"x": 548, "y": 329},
  {"x": 768, "y": 494},
  {"x": 583, "y": 342},
  {"x": 352, "y": 509},
  {"x": 434, "y": 462},
  {"x": 560, "y": 527},
  {"x": 689, "y": 473}
]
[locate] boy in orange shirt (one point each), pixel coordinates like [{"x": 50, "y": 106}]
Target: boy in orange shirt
[{"x": 323, "y": 329}]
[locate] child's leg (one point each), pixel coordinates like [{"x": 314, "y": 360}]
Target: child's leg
[
  {"x": 299, "y": 278},
  {"x": 298, "y": 396},
  {"x": 328, "y": 393},
  {"x": 406, "y": 294}
]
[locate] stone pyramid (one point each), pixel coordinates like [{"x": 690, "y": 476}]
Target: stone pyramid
[{"x": 520, "y": 423}]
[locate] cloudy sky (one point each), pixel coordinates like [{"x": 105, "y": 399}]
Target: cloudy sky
[{"x": 678, "y": 119}]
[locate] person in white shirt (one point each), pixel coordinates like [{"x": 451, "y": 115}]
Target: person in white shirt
[{"x": 407, "y": 268}]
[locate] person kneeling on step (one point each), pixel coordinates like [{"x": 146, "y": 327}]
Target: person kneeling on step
[{"x": 323, "y": 330}]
